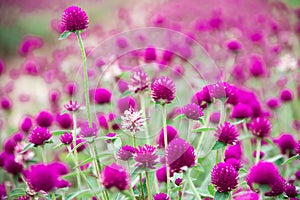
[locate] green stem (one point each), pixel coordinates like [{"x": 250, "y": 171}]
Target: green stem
[
  {"x": 43, "y": 154},
  {"x": 189, "y": 130},
  {"x": 258, "y": 148},
  {"x": 142, "y": 185},
  {"x": 75, "y": 151},
  {"x": 183, "y": 190},
  {"x": 53, "y": 196},
  {"x": 217, "y": 156},
  {"x": 144, "y": 114},
  {"x": 148, "y": 186},
  {"x": 85, "y": 79},
  {"x": 131, "y": 188},
  {"x": 199, "y": 143},
  {"x": 166, "y": 146},
  {"x": 261, "y": 195},
  {"x": 189, "y": 180},
  {"x": 134, "y": 141}
]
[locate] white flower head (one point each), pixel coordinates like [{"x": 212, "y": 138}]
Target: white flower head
[{"x": 132, "y": 121}]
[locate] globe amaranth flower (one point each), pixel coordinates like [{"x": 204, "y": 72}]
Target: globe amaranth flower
[
  {"x": 125, "y": 103},
  {"x": 72, "y": 106},
  {"x": 26, "y": 124},
  {"x": 178, "y": 181},
  {"x": 11, "y": 165},
  {"x": 66, "y": 138},
  {"x": 260, "y": 127},
  {"x": 126, "y": 152},
  {"x": 87, "y": 131},
  {"x": 192, "y": 111},
  {"x": 227, "y": 133},
  {"x": 102, "y": 96},
  {"x": 39, "y": 135},
  {"x": 115, "y": 175},
  {"x": 139, "y": 81},
  {"x": 224, "y": 177},
  {"x": 74, "y": 19},
  {"x": 241, "y": 111},
  {"x": 234, "y": 151},
  {"x": 266, "y": 173},
  {"x": 163, "y": 90},
  {"x": 161, "y": 196},
  {"x": 146, "y": 157},
  {"x": 44, "y": 119},
  {"x": 248, "y": 195},
  {"x": 65, "y": 120},
  {"x": 237, "y": 164},
  {"x": 290, "y": 191},
  {"x": 161, "y": 174},
  {"x": 286, "y": 95},
  {"x": 180, "y": 154},
  {"x": 171, "y": 134},
  {"x": 286, "y": 143},
  {"x": 132, "y": 121}
]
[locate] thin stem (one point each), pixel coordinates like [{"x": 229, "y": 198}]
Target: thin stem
[
  {"x": 258, "y": 148},
  {"x": 142, "y": 185},
  {"x": 43, "y": 154},
  {"x": 85, "y": 79},
  {"x": 131, "y": 189},
  {"x": 53, "y": 196},
  {"x": 261, "y": 195},
  {"x": 189, "y": 180},
  {"x": 217, "y": 156},
  {"x": 148, "y": 186},
  {"x": 166, "y": 146},
  {"x": 189, "y": 130},
  {"x": 134, "y": 141},
  {"x": 144, "y": 114},
  {"x": 200, "y": 142},
  {"x": 75, "y": 151},
  {"x": 183, "y": 190}
]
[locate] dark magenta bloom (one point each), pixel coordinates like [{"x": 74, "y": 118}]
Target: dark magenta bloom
[
  {"x": 260, "y": 127},
  {"x": 161, "y": 174},
  {"x": 180, "y": 154},
  {"x": 163, "y": 90},
  {"x": 9, "y": 145},
  {"x": 178, "y": 181},
  {"x": 224, "y": 177},
  {"x": 273, "y": 103},
  {"x": 171, "y": 134},
  {"x": 248, "y": 195},
  {"x": 234, "y": 151},
  {"x": 161, "y": 196},
  {"x": 26, "y": 124},
  {"x": 146, "y": 157},
  {"x": 234, "y": 45},
  {"x": 87, "y": 131},
  {"x": 11, "y": 165},
  {"x": 290, "y": 191},
  {"x": 65, "y": 120},
  {"x": 286, "y": 143},
  {"x": 66, "y": 138},
  {"x": 125, "y": 103},
  {"x": 139, "y": 81},
  {"x": 6, "y": 103},
  {"x": 227, "y": 133},
  {"x": 286, "y": 95},
  {"x": 70, "y": 88},
  {"x": 257, "y": 68},
  {"x": 39, "y": 135},
  {"x": 115, "y": 175},
  {"x": 30, "y": 43},
  {"x": 150, "y": 54},
  {"x": 72, "y": 106},
  {"x": 102, "y": 96},
  {"x": 241, "y": 111},
  {"x": 192, "y": 111},
  {"x": 215, "y": 117},
  {"x": 74, "y": 19},
  {"x": 44, "y": 119},
  {"x": 235, "y": 163},
  {"x": 126, "y": 152}
]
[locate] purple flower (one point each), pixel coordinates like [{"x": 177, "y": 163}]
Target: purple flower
[
  {"x": 79, "y": 141},
  {"x": 87, "y": 131},
  {"x": 44, "y": 119},
  {"x": 235, "y": 163},
  {"x": 248, "y": 196},
  {"x": 146, "y": 157},
  {"x": 111, "y": 137},
  {"x": 132, "y": 121},
  {"x": 65, "y": 120},
  {"x": 297, "y": 148},
  {"x": 227, "y": 133},
  {"x": 290, "y": 190},
  {"x": 126, "y": 152},
  {"x": 224, "y": 177},
  {"x": 139, "y": 81},
  {"x": 260, "y": 127},
  {"x": 11, "y": 165},
  {"x": 234, "y": 152},
  {"x": 70, "y": 88},
  {"x": 273, "y": 103},
  {"x": 6, "y": 103},
  {"x": 26, "y": 124},
  {"x": 125, "y": 103},
  {"x": 161, "y": 196},
  {"x": 9, "y": 146},
  {"x": 234, "y": 45},
  {"x": 241, "y": 111},
  {"x": 180, "y": 154},
  {"x": 257, "y": 66},
  {"x": 178, "y": 181},
  {"x": 102, "y": 96},
  {"x": 66, "y": 138},
  {"x": 2, "y": 191},
  {"x": 150, "y": 54},
  {"x": 72, "y": 106},
  {"x": 161, "y": 174},
  {"x": 171, "y": 134},
  {"x": 74, "y": 19},
  {"x": 215, "y": 117},
  {"x": 115, "y": 175},
  {"x": 286, "y": 143},
  {"x": 286, "y": 95},
  {"x": 39, "y": 135},
  {"x": 192, "y": 111},
  {"x": 163, "y": 90},
  {"x": 266, "y": 173}
]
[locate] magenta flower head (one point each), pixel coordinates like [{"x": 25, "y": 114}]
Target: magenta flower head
[
  {"x": 227, "y": 133},
  {"x": 266, "y": 173},
  {"x": 146, "y": 157},
  {"x": 161, "y": 196},
  {"x": 150, "y": 54},
  {"x": 241, "y": 111},
  {"x": 260, "y": 127},
  {"x": 286, "y": 143},
  {"x": 273, "y": 103},
  {"x": 39, "y": 135},
  {"x": 65, "y": 120},
  {"x": 11, "y": 165},
  {"x": 2, "y": 191},
  {"x": 286, "y": 95},
  {"x": 290, "y": 190},
  {"x": 115, "y": 176},
  {"x": 180, "y": 154},
  {"x": 139, "y": 81},
  {"x": 233, "y": 45},
  {"x": 74, "y": 19},
  {"x": 6, "y": 103},
  {"x": 26, "y": 124},
  {"x": 102, "y": 96},
  {"x": 161, "y": 174},
  {"x": 192, "y": 111},
  {"x": 224, "y": 177},
  {"x": 234, "y": 151},
  {"x": 163, "y": 90},
  {"x": 126, "y": 152},
  {"x": 297, "y": 148},
  {"x": 171, "y": 134},
  {"x": 66, "y": 138},
  {"x": 125, "y": 103},
  {"x": 72, "y": 106},
  {"x": 87, "y": 131},
  {"x": 44, "y": 119}
]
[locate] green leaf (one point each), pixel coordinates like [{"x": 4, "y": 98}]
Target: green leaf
[
  {"x": 201, "y": 120},
  {"x": 126, "y": 93},
  {"x": 85, "y": 162},
  {"x": 211, "y": 189},
  {"x": 269, "y": 141},
  {"x": 59, "y": 132},
  {"x": 118, "y": 143},
  {"x": 239, "y": 122},
  {"x": 76, "y": 147},
  {"x": 76, "y": 194},
  {"x": 291, "y": 159},
  {"x": 27, "y": 147},
  {"x": 64, "y": 35},
  {"x": 203, "y": 129},
  {"x": 58, "y": 146},
  {"x": 219, "y": 145},
  {"x": 221, "y": 195},
  {"x": 17, "y": 193},
  {"x": 178, "y": 117}
]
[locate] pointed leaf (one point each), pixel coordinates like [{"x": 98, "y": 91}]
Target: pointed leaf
[
  {"x": 201, "y": 120},
  {"x": 291, "y": 159},
  {"x": 239, "y": 122},
  {"x": 178, "y": 117},
  {"x": 27, "y": 147},
  {"x": 221, "y": 195},
  {"x": 59, "y": 132},
  {"x": 203, "y": 129},
  {"x": 211, "y": 189},
  {"x": 219, "y": 145},
  {"x": 64, "y": 35}
]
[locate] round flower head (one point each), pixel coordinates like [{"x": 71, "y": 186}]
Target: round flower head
[
  {"x": 290, "y": 191},
  {"x": 266, "y": 173},
  {"x": 66, "y": 138},
  {"x": 161, "y": 174},
  {"x": 139, "y": 81},
  {"x": 150, "y": 54},
  {"x": 224, "y": 177},
  {"x": 192, "y": 111},
  {"x": 6, "y": 103},
  {"x": 163, "y": 90},
  {"x": 125, "y": 103},
  {"x": 273, "y": 103},
  {"x": 132, "y": 121},
  {"x": 115, "y": 175},
  {"x": 26, "y": 124},
  {"x": 180, "y": 154},
  {"x": 146, "y": 157},
  {"x": 235, "y": 163},
  {"x": 39, "y": 135},
  {"x": 241, "y": 111},
  {"x": 215, "y": 117},
  {"x": 126, "y": 152},
  {"x": 44, "y": 119},
  {"x": 286, "y": 143},
  {"x": 102, "y": 96},
  {"x": 87, "y": 131},
  {"x": 161, "y": 196},
  {"x": 227, "y": 133},
  {"x": 72, "y": 106},
  {"x": 9, "y": 146},
  {"x": 260, "y": 127},
  {"x": 74, "y": 19},
  {"x": 234, "y": 151},
  {"x": 178, "y": 181},
  {"x": 286, "y": 95},
  {"x": 234, "y": 45},
  {"x": 64, "y": 120},
  {"x": 11, "y": 165},
  {"x": 171, "y": 134}
]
